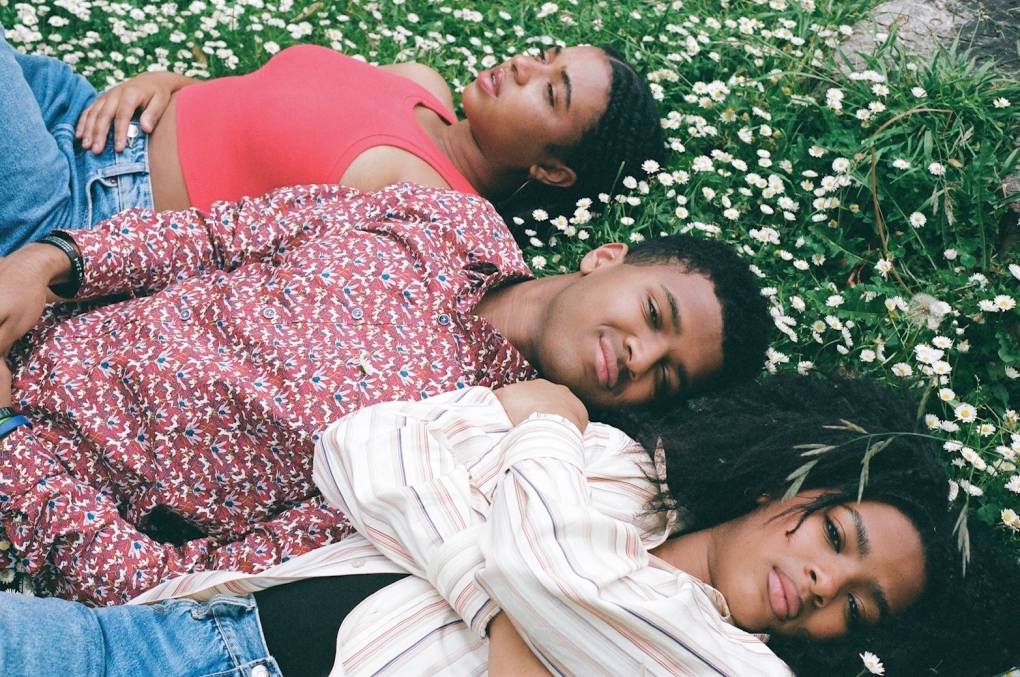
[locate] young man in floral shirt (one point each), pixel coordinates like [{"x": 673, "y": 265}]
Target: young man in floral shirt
[{"x": 196, "y": 402}]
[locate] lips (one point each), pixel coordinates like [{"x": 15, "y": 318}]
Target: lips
[
  {"x": 491, "y": 81},
  {"x": 605, "y": 363},
  {"x": 783, "y": 597}
]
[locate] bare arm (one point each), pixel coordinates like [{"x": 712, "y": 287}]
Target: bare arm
[{"x": 509, "y": 656}]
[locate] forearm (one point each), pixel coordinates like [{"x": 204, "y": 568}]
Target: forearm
[
  {"x": 140, "y": 251},
  {"x": 393, "y": 469},
  {"x": 39, "y": 265}
]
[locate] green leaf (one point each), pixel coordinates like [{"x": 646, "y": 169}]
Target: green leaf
[
  {"x": 798, "y": 476},
  {"x": 873, "y": 449}
]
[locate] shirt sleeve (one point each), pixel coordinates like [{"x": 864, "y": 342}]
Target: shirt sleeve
[
  {"x": 61, "y": 523},
  {"x": 140, "y": 251},
  {"x": 394, "y": 470},
  {"x": 579, "y": 585}
]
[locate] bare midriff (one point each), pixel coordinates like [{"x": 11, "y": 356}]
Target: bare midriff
[{"x": 168, "y": 188}]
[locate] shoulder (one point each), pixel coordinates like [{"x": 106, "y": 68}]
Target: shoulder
[{"x": 434, "y": 83}]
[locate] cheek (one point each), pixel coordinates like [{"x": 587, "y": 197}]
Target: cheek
[
  {"x": 826, "y": 623},
  {"x": 640, "y": 391}
]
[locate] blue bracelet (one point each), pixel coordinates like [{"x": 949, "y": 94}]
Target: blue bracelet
[{"x": 9, "y": 424}]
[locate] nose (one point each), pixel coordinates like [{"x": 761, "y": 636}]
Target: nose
[
  {"x": 827, "y": 580},
  {"x": 523, "y": 68},
  {"x": 644, "y": 352}
]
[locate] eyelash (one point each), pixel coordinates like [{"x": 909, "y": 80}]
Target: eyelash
[
  {"x": 835, "y": 539},
  {"x": 653, "y": 313},
  {"x": 832, "y": 533},
  {"x": 543, "y": 57},
  {"x": 662, "y": 383}
]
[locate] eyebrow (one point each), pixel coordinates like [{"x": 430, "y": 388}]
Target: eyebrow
[
  {"x": 863, "y": 550},
  {"x": 863, "y": 544}
]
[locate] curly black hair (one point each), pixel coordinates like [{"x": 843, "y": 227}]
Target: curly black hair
[
  {"x": 725, "y": 452},
  {"x": 747, "y": 325},
  {"x": 628, "y": 133}
]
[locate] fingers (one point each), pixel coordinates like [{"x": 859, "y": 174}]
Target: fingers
[
  {"x": 154, "y": 111},
  {"x": 104, "y": 118},
  {"x": 120, "y": 126},
  {"x": 97, "y": 118}
]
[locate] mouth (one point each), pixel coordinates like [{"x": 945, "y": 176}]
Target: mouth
[
  {"x": 783, "y": 596},
  {"x": 491, "y": 81},
  {"x": 605, "y": 363}
]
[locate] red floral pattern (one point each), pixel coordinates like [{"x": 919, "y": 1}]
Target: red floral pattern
[{"x": 252, "y": 327}]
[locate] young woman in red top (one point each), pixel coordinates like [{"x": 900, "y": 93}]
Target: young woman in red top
[{"x": 540, "y": 130}]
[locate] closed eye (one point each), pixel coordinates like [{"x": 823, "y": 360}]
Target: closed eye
[{"x": 551, "y": 96}]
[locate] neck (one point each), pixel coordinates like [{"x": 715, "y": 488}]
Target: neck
[
  {"x": 691, "y": 553},
  {"x": 459, "y": 144},
  {"x": 519, "y": 311}
]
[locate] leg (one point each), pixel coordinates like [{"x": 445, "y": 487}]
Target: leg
[
  {"x": 45, "y": 636},
  {"x": 39, "y": 103}
]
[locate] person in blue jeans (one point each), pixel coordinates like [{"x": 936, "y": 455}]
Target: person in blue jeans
[
  {"x": 47, "y": 180},
  {"x": 844, "y": 566}
]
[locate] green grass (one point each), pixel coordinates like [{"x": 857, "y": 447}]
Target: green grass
[{"x": 818, "y": 196}]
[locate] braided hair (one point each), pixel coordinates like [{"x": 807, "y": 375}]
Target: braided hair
[
  {"x": 628, "y": 133},
  {"x": 725, "y": 452}
]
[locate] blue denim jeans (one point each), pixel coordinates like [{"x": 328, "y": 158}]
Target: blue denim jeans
[
  {"x": 46, "y": 636},
  {"x": 47, "y": 180}
]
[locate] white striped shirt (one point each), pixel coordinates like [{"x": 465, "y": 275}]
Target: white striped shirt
[{"x": 538, "y": 521}]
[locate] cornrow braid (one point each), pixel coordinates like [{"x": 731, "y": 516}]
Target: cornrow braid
[{"x": 628, "y": 133}]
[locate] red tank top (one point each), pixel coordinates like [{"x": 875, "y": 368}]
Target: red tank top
[{"x": 302, "y": 118}]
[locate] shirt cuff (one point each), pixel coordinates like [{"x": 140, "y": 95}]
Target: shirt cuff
[{"x": 452, "y": 572}]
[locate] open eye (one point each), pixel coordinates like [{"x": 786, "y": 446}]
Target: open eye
[
  {"x": 653, "y": 313},
  {"x": 853, "y": 613},
  {"x": 833, "y": 536}
]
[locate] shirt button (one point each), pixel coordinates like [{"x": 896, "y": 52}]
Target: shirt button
[
  {"x": 357, "y": 313},
  {"x": 268, "y": 313},
  {"x": 444, "y": 319},
  {"x": 185, "y": 314},
  {"x": 358, "y": 563},
  {"x": 132, "y": 132},
  {"x": 259, "y": 671}
]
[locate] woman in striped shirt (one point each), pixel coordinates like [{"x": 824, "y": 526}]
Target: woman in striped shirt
[{"x": 538, "y": 521}]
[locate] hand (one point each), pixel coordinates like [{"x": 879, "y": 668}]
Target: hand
[
  {"x": 521, "y": 400},
  {"x": 6, "y": 400},
  {"x": 148, "y": 91},
  {"x": 25, "y": 277}
]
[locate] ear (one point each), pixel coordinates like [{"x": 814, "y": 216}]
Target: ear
[
  {"x": 553, "y": 173},
  {"x": 607, "y": 255}
]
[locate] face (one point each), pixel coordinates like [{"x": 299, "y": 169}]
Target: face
[
  {"x": 622, "y": 335},
  {"x": 521, "y": 107},
  {"x": 844, "y": 567}
]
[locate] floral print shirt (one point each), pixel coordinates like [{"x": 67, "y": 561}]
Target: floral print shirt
[{"x": 198, "y": 397}]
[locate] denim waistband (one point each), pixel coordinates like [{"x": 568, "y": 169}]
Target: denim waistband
[{"x": 114, "y": 181}]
